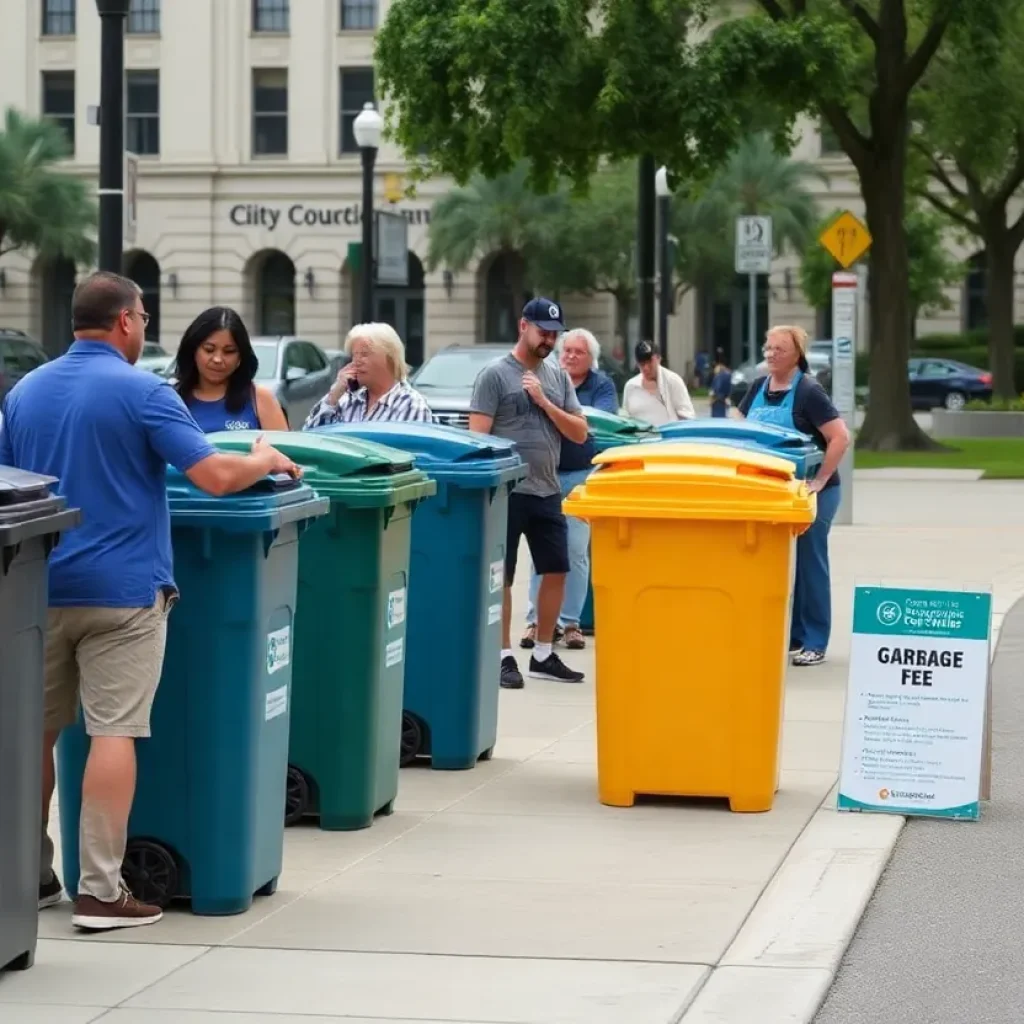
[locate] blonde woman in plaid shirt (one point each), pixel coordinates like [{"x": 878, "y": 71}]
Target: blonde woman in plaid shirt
[{"x": 373, "y": 386}]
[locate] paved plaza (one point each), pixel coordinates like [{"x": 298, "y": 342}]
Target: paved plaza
[{"x": 509, "y": 895}]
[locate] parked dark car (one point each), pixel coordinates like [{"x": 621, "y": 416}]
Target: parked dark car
[
  {"x": 446, "y": 379},
  {"x": 19, "y": 355},
  {"x": 946, "y": 383}
]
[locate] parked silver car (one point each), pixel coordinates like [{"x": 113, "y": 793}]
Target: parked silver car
[{"x": 298, "y": 372}]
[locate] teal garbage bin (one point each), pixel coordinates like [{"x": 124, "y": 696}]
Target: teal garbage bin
[
  {"x": 456, "y": 582},
  {"x": 792, "y": 445},
  {"x": 208, "y": 819},
  {"x": 609, "y": 430},
  {"x": 31, "y": 522}
]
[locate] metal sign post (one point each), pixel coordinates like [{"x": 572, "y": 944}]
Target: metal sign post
[
  {"x": 753, "y": 257},
  {"x": 844, "y": 334},
  {"x": 131, "y": 197}
]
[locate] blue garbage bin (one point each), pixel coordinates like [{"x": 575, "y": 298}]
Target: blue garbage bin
[
  {"x": 456, "y": 581},
  {"x": 792, "y": 445},
  {"x": 208, "y": 819}
]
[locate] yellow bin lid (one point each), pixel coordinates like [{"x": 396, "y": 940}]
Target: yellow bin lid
[{"x": 665, "y": 480}]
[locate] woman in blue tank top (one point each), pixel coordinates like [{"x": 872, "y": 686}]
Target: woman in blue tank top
[{"x": 216, "y": 372}]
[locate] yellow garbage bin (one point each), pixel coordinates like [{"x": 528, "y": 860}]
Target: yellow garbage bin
[{"x": 692, "y": 558}]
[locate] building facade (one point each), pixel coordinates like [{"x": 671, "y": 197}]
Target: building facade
[{"x": 249, "y": 184}]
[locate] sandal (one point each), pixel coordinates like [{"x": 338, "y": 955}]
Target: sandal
[
  {"x": 529, "y": 638},
  {"x": 573, "y": 637},
  {"x": 807, "y": 658}
]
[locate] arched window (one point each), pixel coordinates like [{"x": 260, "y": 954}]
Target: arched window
[
  {"x": 275, "y": 295},
  {"x": 505, "y": 294},
  {"x": 144, "y": 270},
  {"x": 403, "y": 308},
  {"x": 57, "y": 287}
]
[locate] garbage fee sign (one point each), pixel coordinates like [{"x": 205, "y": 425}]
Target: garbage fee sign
[{"x": 914, "y": 734}]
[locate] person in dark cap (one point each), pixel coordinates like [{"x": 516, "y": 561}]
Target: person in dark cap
[
  {"x": 656, "y": 394},
  {"x": 528, "y": 399}
]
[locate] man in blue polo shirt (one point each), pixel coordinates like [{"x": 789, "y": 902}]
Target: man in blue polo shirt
[{"x": 107, "y": 431}]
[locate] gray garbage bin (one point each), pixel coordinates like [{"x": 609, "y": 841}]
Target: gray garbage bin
[{"x": 31, "y": 521}]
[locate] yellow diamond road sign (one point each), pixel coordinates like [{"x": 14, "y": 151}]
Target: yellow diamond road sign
[{"x": 846, "y": 238}]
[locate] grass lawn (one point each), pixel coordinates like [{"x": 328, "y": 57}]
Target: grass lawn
[{"x": 1001, "y": 458}]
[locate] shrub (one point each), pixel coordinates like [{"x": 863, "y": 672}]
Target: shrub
[
  {"x": 998, "y": 405},
  {"x": 942, "y": 344}
]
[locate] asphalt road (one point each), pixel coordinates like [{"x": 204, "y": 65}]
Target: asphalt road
[{"x": 942, "y": 941}]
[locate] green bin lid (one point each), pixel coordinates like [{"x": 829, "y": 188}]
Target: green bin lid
[
  {"x": 601, "y": 422},
  {"x": 356, "y": 473}
]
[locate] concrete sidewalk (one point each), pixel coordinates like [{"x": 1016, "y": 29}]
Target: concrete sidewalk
[{"x": 509, "y": 895}]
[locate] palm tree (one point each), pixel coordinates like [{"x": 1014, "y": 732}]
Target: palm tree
[
  {"x": 42, "y": 208},
  {"x": 501, "y": 216},
  {"x": 758, "y": 180}
]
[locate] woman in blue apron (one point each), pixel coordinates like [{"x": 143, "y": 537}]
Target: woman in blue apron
[
  {"x": 216, "y": 370},
  {"x": 790, "y": 397}
]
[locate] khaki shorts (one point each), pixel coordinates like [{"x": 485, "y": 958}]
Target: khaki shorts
[{"x": 110, "y": 659}]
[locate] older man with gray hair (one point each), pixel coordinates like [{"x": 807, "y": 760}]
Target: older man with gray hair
[{"x": 579, "y": 353}]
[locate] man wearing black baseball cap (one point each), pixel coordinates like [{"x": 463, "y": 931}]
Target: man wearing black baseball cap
[
  {"x": 656, "y": 394},
  {"x": 527, "y": 399}
]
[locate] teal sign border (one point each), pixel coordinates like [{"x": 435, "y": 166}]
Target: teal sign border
[
  {"x": 887, "y": 611},
  {"x": 971, "y": 812}
]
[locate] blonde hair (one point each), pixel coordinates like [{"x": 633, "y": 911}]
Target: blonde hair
[
  {"x": 799, "y": 336},
  {"x": 382, "y": 338}
]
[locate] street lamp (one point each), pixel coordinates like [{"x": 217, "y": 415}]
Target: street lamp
[
  {"x": 367, "y": 129},
  {"x": 645, "y": 246},
  {"x": 664, "y": 194},
  {"x": 111, "y": 190}
]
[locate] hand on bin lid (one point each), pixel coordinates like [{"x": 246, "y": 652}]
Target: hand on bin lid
[{"x": 667, "y": 480}]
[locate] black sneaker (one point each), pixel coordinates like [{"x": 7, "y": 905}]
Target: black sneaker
[
  {"x": 50, "y": 893},
  {"x": 553, "y": 668},
  {"x": 511, "y": 677}
]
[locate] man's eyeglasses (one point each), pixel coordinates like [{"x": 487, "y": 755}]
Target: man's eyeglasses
[{"x": 144, "y": 317}]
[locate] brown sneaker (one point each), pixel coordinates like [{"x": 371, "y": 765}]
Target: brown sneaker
[
  {"x": 529, "y": 637},
  {"x": 124, "y": 912},
  {"x": 574, "y": 640}
]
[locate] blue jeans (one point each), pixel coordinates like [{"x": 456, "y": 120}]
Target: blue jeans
[
  {"x": 811, "y": 623},
  {"x": 579, "y": 561}
]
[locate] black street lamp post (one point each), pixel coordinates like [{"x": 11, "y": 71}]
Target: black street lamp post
[
  {"x": 645, "y": 246},
  {"x": 664, "y": 194},
  {"x": 111, "y": 187},
  {"x": 367, "y": 129}
]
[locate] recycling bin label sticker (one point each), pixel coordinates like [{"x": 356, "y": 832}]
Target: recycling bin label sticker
[
  {"x": 396, "y": 608},
  {"x": 497, "y": 576},
  {"x": 393, "y": 653},
  {"x": 279, "y": 649},
  {"x": 493, "y": 614},
  {"x": 277, "y": 703}
]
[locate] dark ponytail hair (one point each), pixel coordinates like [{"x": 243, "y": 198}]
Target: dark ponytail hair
[{"x": 209, "y": 322}]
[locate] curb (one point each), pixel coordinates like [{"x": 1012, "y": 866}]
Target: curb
[{"x": 781, "y": 964}]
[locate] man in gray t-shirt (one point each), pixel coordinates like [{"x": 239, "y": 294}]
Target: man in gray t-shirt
[{"x": 524, "y": 399}]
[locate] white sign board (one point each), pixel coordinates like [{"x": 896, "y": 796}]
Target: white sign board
[
  {"x": 392, "y": 249},
  {"x": 914, "y": 734},
  {"x": 753, "y": 245}
]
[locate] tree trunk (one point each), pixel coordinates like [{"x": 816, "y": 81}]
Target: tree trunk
[
  {"x": 1000, "y": 252},
  {"x": 889, "y": 423}
]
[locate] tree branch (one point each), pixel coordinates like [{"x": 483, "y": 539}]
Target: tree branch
[
  {"x": 849, "y": 135},
  {"x": 1016, "y": 233},
  {"x": 939, "y": 173},
  {"x": 947, "y": 210},
  {"x": 919, "y": 60},
  {"x": 861, "y": 16}
]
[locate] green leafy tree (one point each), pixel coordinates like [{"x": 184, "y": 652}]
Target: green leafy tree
[
  {"x": 968, "y": 143},
  {"x": 42, "y": 209},
  {"x": 502, "y": 216},
  {"x": 880, "y": 52},
  {"x": 932, "y": 270}
]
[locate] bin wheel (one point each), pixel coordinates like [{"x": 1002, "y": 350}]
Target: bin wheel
[
  {"x": 150, "y": 872},
  {"x": 296, "y": 800},
  {"x": 487, "y": 754},
  {"x": 412, "y": 738}
]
